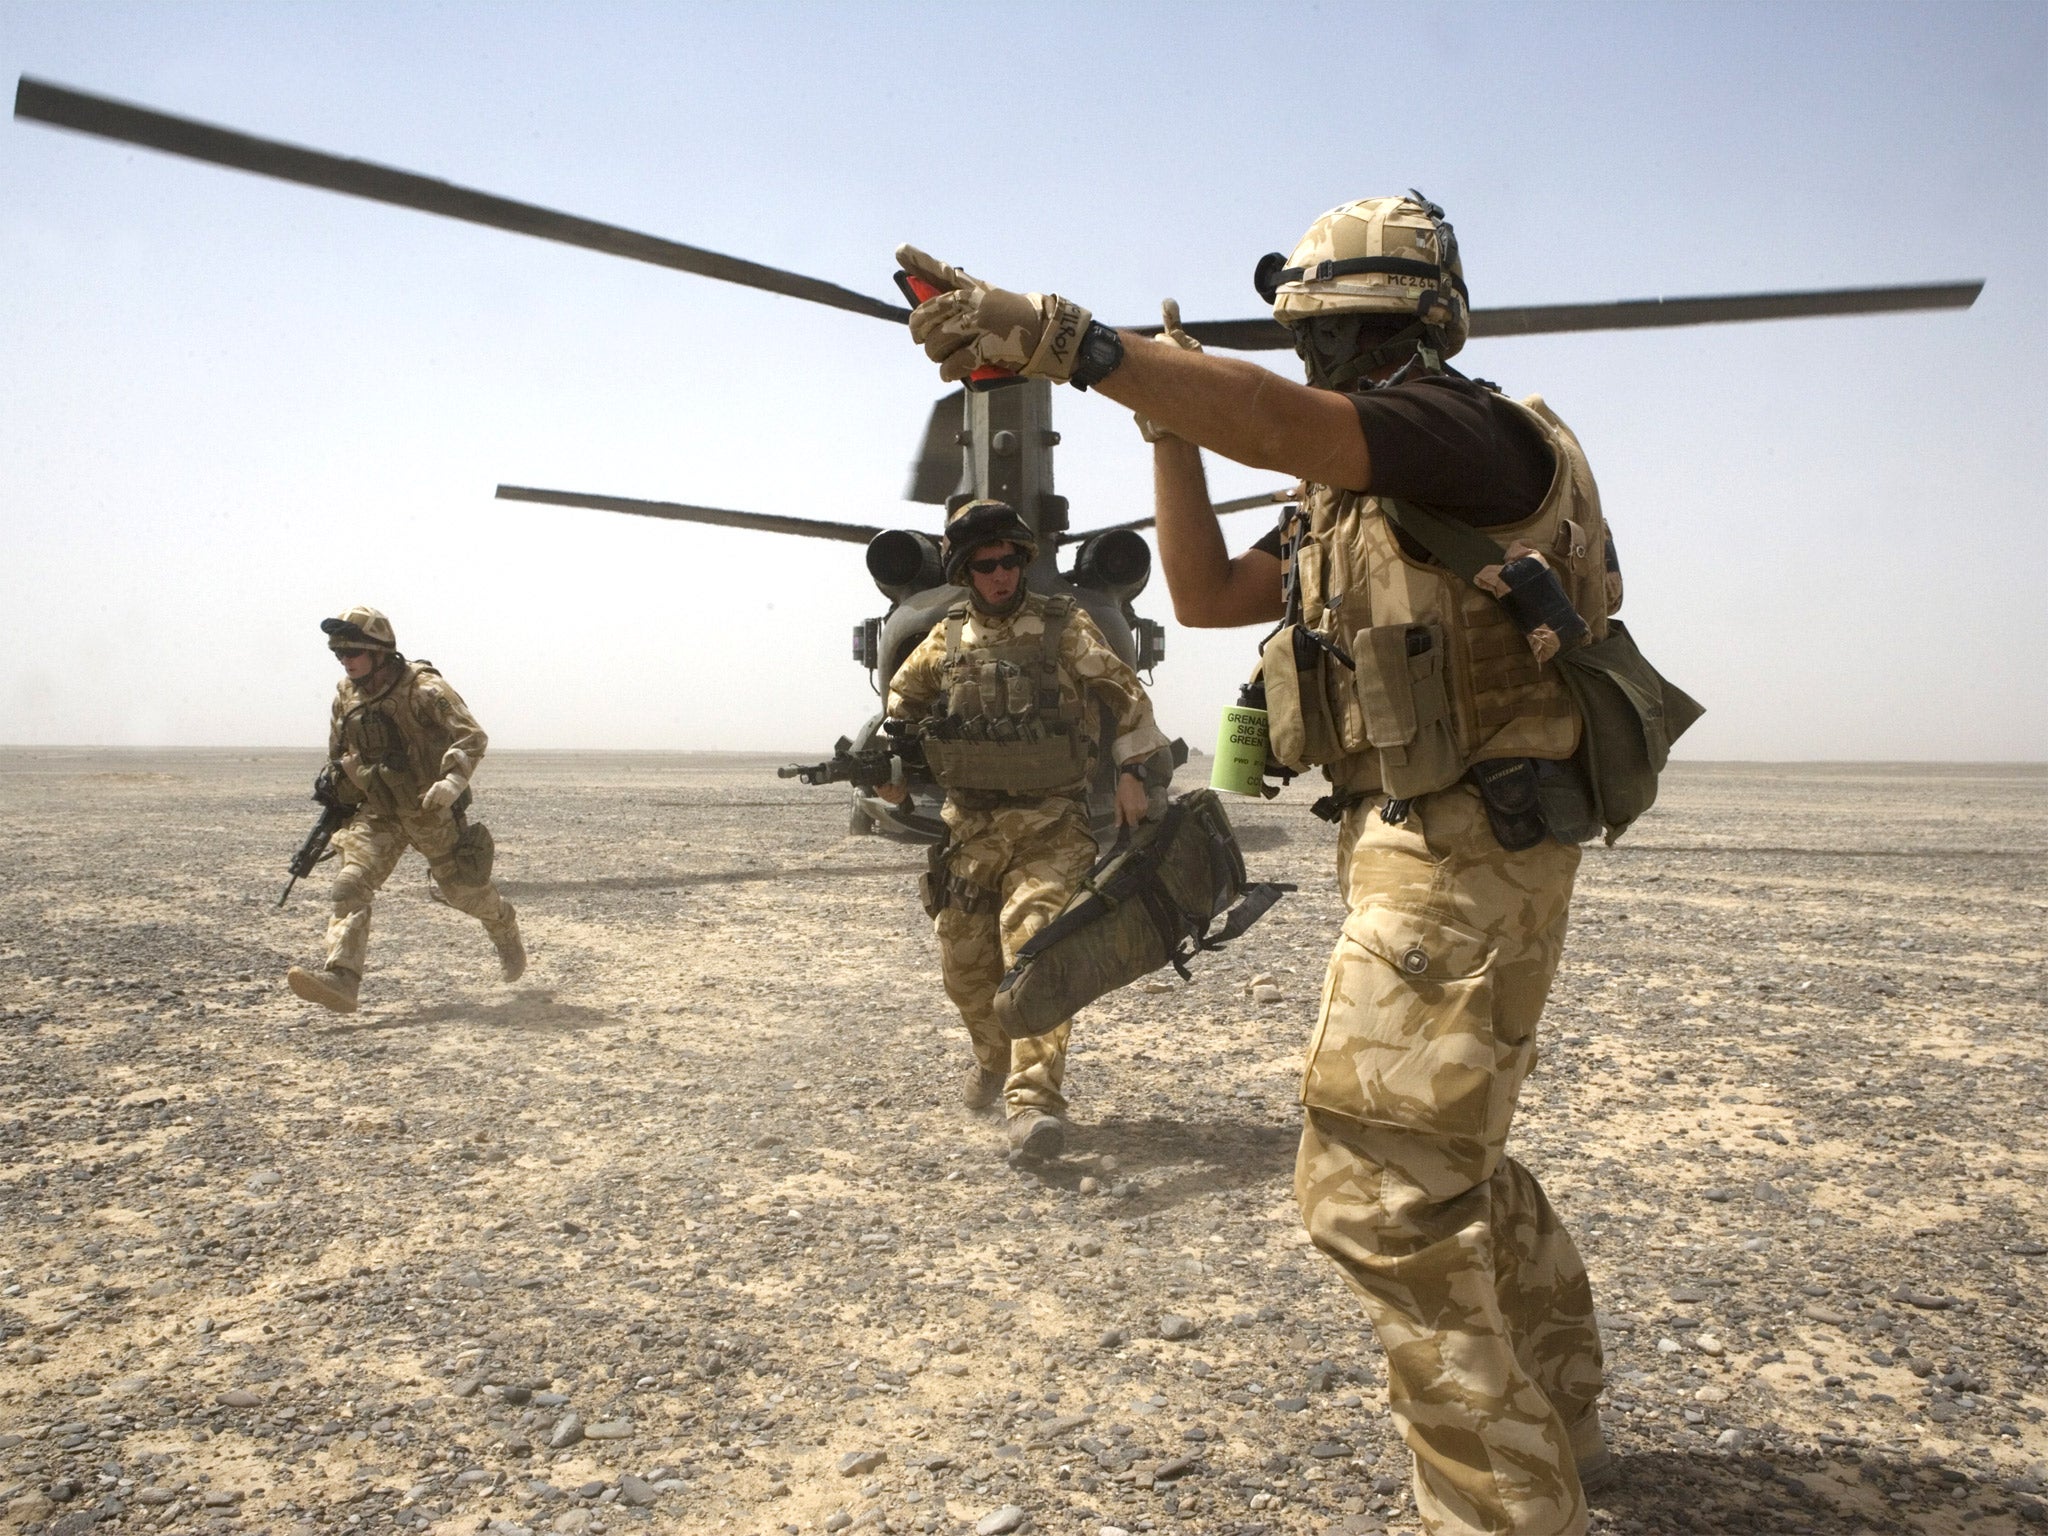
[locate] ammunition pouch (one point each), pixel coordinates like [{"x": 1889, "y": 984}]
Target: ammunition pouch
[
  {"x": 1406, "y": 700},
  {"x": 1632, "y": 716},
  {"x": 475, "y": 852},
  {"x": 1150, "y": 902},
  {"x": 1299, "y": 668}
]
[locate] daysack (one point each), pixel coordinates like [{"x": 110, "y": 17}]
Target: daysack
[{"x": 1147, "y": 903}]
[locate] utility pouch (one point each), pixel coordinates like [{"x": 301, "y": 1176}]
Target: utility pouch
[
  {"x": 1513, "y": 796},
  {"x": 1566, "y": 796},
  {"x": 931, "y": 885},
  {"x": 1014, "y": 767},
  {"x": 1632, "y": 716},
  {"x": 1406, "y": 702},
  {"x": 475, "y": 853}
]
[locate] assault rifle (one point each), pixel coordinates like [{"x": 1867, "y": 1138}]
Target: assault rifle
[
  {"x": 314, "y": 850},
  {"x": 882, "y": 762}
]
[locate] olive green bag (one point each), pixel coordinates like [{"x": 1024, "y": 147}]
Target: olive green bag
[
  {"x": 1150, "y": 902},
  {"x": 1631, "y": 714},
  {"x": 1632, "y": 717}
]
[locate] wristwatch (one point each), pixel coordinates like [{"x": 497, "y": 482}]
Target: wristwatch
[
  {"x": 1101, "y": 353},
  {"x": 1135, "y": 770}
]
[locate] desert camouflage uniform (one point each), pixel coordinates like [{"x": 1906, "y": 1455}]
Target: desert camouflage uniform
[
  {"x": 1014, "y": 861},
  {"x": 437, "y": 737},
  {"x": 1427, "y": 1029}
]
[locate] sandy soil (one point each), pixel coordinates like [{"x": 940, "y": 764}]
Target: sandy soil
[{"x": 687, "y": 1232}]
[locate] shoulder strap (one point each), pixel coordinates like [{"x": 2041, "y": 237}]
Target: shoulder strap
[
  {"x": 1058, "y": 610},
  {"x": 956, "y": 621}
]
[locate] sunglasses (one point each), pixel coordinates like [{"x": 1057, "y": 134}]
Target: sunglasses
[
  {"x": 348, "y": 653},
  {"x": 1010, "y": 562}
]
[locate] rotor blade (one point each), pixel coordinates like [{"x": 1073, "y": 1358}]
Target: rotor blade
[
  {"x": 937, "y": 470},
  {"x": 1631, "y": 314},
  {"x": 1241, "y": 504},
  {"x": 62, "y": 107},
  {"x": 761, "y": 522},
  {"x": 1639, "y": 314}
]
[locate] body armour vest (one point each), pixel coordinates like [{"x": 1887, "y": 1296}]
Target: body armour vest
[
  {"x": 400, "y": 743},
  {"x": 1438, "y": 676},
  {"x": 1002, "y": 728}
]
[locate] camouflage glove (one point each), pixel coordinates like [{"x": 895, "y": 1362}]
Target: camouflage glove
[
  {"x": 351, "y": 764},
  {"x": 971, "y": 325},
  {"x": 1172, "y": 336},
  {"x": 441, "y": 794}
]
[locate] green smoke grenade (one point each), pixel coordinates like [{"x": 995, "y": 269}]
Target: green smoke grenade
[{"x": 1240, "y": 752}]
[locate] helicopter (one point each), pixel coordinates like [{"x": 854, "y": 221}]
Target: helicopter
[{"x": 996, "y": 442}]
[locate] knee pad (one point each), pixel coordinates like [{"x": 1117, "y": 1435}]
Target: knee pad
[{"x": 352, "y": 890}]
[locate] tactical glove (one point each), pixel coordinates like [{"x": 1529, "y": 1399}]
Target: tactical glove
[
  {"x": 971, "y": 325},
  {"x": 1172, "y": 336},
  {"x": 441, "y": 794}
]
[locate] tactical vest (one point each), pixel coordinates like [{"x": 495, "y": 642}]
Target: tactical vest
[
  {"x": 1004, "y": 727},
  {"x": 1405, "y": 675},
  {"x": 400, "y": 744}
]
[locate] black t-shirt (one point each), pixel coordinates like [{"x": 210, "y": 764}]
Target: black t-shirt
[{"x": 1456, "y": 446}]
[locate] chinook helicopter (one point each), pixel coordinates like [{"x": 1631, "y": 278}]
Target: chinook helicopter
[{"x": 996, "y": 442}]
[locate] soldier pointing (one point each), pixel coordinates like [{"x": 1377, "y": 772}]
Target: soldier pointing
[
  {"x": 1450, "y": 747},
  {"x": 402, "y": 746},
  {"x": 1008, "y": 686}
]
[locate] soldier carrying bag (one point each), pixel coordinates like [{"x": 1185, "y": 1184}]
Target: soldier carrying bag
[{"x": 1148, "y": 903}]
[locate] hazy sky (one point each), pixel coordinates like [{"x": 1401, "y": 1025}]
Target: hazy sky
[{"x": 231, "y": 406}]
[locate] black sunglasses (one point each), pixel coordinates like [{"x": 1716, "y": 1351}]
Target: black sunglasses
[
  {"x": 1010, "y": 562},
  {"x": 348, "y": 653}
]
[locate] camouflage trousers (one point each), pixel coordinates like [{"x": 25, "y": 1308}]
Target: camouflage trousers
[
  {"x": 1427, "y": 1029},
  {"x": 369, "y": 848},
  {"x": 1018, "y": 866}
]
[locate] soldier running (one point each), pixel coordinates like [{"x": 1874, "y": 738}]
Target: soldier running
[
  {"x": 1008, "y": 686},
  {"x": 403, "y": 746}
]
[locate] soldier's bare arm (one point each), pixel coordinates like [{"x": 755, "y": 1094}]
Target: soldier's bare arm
[
  {"x": 1210, "y": 589},
  {"x": 1243, "y": 412}
]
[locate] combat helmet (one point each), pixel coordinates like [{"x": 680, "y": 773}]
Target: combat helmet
[
  {"x": 359, "y": 629},
  {"x": 985, "y": 521},
  {"x": 1361, "y": 268}
]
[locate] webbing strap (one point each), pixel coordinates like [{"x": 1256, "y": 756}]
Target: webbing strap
[
  {"x": 1461, "y": 547},
  {"x": 1258, "y": 901}
]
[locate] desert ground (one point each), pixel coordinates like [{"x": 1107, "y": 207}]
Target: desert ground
[{"x": 687, "y": 1230}]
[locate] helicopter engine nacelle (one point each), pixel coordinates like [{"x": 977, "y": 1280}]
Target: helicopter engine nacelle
[
  {"x": 1118, "y": 562},
  {"x": 903, "y": 562}
]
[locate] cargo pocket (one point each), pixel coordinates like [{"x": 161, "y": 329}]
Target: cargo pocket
[
  {"x": 1405, "y": 699},
  {"x": 1407, "y": 1037}
]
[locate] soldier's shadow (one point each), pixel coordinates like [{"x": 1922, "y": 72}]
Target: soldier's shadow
[
  {"x": 532, "y": 1009},
  {"x": 1173, "y": 1159},
  {"x": 1669, "y": 1491}
]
